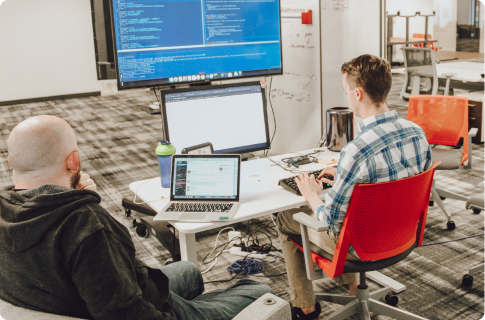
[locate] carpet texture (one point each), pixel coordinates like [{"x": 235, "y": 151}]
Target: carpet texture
[{"x": 117, "y": 142}]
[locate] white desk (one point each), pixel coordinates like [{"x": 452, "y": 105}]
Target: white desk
[
  {"x": 258, "y": 197},
  {"x": 467, "y": 74}
]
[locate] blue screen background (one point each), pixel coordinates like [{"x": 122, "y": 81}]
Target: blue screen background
[{"x": 161, "y": 39}]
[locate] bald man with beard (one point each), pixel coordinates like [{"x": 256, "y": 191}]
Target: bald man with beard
[{"x": 62, "y": 253}]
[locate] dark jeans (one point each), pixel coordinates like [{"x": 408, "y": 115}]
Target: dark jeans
[{"x": 187, "y": 286}]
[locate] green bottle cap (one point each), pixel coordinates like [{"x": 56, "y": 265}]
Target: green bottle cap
[{"x": 165, "y": 149}]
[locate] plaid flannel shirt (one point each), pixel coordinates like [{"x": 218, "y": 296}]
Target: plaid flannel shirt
[{"x": 387, "y": 148}]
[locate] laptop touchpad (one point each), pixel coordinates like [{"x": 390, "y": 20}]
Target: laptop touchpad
[{"x": 193, "y": 216}]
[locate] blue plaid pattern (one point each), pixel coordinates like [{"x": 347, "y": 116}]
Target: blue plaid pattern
[{"x": 387, "y": 148}]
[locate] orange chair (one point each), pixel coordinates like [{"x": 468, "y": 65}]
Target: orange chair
[
  {"x": 384, "y": 223},
  {"x": 444, "y": 119},
  {"x": 421, "y": 45}
]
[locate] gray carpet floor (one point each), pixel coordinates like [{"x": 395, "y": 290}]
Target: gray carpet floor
[{"x": 117, "y": 142}]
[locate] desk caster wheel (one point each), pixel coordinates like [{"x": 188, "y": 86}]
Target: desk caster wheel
[
  {"x": 477, "y": 211},
  {"x": 467, "y": 280},
  {"x": 127, "y": 213},
  {"x": 391, "y": 299},
  {"x": 142, "y": 231},
  {"x": 450, "y": 225}
]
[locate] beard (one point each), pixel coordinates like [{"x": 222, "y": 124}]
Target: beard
[{"x": 76, "y": 177}]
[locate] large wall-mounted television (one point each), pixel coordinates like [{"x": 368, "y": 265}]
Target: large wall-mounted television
[{"x": 167, "y": 42}]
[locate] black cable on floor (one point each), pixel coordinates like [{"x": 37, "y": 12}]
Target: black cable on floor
[{"x": 434, "y": 243}]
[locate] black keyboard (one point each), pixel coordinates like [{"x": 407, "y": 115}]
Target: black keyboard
[
  {"x": 289, "y": 184},
  {"x": 199, "y": 207}
]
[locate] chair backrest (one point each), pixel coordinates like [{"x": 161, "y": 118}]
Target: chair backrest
[
  {"x": 420, "y": 62},
  {"x": 422, "y": 35},
  {"x": 444, "y": 119},
  {"x": 385, "y": 219}
]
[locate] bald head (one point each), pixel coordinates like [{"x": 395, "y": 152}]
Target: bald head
[{"x": 40, "y": 145}]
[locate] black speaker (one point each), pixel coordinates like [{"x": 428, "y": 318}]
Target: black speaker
[{"x": 103, "y": 39}]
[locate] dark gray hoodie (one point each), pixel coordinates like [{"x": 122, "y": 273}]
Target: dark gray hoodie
[{"x": 61, "y": 252}]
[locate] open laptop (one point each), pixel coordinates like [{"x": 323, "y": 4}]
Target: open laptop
[{"x": 204, "y": 188}]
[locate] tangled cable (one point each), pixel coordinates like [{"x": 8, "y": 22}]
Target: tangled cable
[{"x": 245, "y": 267}]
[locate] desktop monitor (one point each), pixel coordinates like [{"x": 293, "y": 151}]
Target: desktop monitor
[
  {"x": 167, "y": 42},
  {"x": 231, "y": 117}
]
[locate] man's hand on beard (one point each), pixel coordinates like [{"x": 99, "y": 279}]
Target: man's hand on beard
[{"x": 85, "y": 182}]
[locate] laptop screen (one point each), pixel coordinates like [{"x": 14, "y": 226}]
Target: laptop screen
[{"x": 205, "y": 178}]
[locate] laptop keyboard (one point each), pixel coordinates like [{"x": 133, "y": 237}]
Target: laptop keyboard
[{"x": 199, "y": 207}]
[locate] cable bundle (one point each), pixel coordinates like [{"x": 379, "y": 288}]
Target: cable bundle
[{"x": 245, "y": 267}]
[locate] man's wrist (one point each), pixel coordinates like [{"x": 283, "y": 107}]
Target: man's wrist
[{"x": 314, "y": 200}]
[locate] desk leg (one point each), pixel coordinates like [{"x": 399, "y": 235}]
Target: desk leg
[
  {"x": 383, "y": 280},
  {"x": 188, "y": 247}
]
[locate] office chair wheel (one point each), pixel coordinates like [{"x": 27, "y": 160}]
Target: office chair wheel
[
  {"x": 168, "y": 261},
  {"x": 391, "y": 299},
  {"x": 477, "y": 211},
  {"x": 442, "y": 198},
  {"x": 450, "y": 225},
  {"x": 467, "y": 280},
  {"x": 128, "y": 212},
  {"x": 142, "y": 231}
]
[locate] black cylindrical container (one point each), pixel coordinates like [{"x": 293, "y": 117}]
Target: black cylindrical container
[{"x": 340, "y": 127}]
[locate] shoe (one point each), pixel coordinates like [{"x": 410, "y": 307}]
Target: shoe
[{"x": 297, "y": 314}]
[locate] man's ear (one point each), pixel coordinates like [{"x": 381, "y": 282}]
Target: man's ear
[
  {"x": 358, "y": 93},
  {"x": 72, "y": 162},
  {"x": 9, "y": 162}
]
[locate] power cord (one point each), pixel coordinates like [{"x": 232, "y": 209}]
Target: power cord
[
  {"x": 435, "y": 243},
  {"x": 136, "y": 193},
  {"x": 274, "y": 117}
]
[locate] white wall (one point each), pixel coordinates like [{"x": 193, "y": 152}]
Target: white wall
[
  {"x": 347, "y": 32},
  {"x": 416, "y": 24},
  {"x": 47, "y": 49},
  {"x": 444, "y": 27},
  {"x": 463, "y": 15}
]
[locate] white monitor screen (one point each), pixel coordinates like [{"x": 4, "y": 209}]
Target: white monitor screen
[
  {"x": 232, "y": 118},
  {"x": 205, "y": 178}
]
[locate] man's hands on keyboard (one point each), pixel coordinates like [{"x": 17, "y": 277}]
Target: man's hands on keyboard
[
  {"x": 328, "y": 175},
  {"x": 291, "y": 185}
]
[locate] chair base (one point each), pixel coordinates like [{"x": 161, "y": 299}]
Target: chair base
[
  {"x": 363, "y": 304},
  {"x": 475, "y": 269},
  {"x": 436, "y": 197}
]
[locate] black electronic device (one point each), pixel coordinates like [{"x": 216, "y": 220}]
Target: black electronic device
[
  {"x": 103, "y": 39},
  {"x": 232, "y": 117},
  {"x": 167, "y": 42},
  {"x": 203, "y": 148},
  {"x": 289, "y": 184}
]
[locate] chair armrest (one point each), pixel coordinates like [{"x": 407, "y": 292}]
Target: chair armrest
[
  {"x": 448, "y": 75},
  {"x": 266, "y": 307},
  {"x": 472, "y": 133},
  {"x": 310, "y": 222}
]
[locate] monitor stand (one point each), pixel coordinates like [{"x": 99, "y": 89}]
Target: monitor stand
[
  {"x": 155, "y": 107},
  {"x": 248, "y": 156}
]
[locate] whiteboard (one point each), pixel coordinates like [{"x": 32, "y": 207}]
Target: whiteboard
[{"x": 295, "y": 95}]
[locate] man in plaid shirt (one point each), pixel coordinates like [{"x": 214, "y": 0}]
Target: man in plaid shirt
[{"x": 387, "y": 148}]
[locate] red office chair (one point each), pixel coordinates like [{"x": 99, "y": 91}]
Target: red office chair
[
  {"x": 444, "y": 120},
  {"x": 384, "y": 223},
  {"x": 421, "y": 45}
]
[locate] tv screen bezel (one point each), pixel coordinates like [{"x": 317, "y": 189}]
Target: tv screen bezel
[
  {"x": 165, "y": 128},
  {"x": 157, "y": 82}
]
